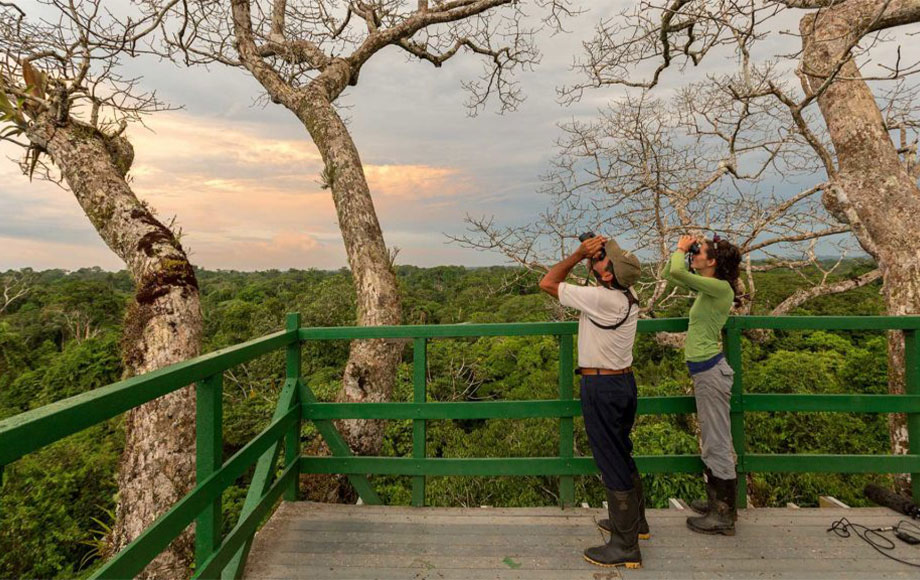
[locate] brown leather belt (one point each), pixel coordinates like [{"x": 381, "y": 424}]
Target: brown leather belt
[{"x": 584, "y": 371}]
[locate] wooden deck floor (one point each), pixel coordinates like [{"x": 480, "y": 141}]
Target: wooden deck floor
[{"x": 319, "y": 541}]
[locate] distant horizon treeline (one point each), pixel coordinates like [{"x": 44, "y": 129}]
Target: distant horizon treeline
[{"x": 821, "y": 258}]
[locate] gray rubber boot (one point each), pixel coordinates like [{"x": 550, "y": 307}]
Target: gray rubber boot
[
  {"x": 622, "y": 549},
  {"x": 723, "y": 513},
  {"x": 644, "y": 533}
]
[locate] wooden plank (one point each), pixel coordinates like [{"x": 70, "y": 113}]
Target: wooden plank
[
  {"x": 763, "y": 516},
  {"x": 586, "y": 526},
  {"x": 829, "y": 501},
  {"x": 493, "y": 555},
  {"x": 810, "y": 575},
  {"x": 846, "y": 558},
  {"x": 677, "y": 504},
  {"x": 308, "y": 508},
  {"x": 425, "y": 572},
  {"x": 774, "y": 514},
  {"x": 292, "y": 573},
  {"x": 351, "y": 542}
]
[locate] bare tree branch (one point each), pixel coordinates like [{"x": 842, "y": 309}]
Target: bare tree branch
[
  {"x": 805, "y": 294},
  {"x": 16, "y": 285},
  {"x": 647, "y": 171}
]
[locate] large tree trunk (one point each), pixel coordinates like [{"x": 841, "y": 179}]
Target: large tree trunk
[
  {"x": 163, "y": 326},
  {"x": 872, "y": 189},
  {"x": 370, "y": 373}
]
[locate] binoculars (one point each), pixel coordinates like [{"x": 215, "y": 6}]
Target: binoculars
[{"x": 588, "y": 236}]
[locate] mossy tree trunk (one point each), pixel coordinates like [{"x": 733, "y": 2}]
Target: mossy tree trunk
[
  {"x": 872, "y": 189},
  {"x": 163, "y": 325}
]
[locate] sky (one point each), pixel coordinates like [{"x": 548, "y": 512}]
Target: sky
[{"x": 242, "y": 178}]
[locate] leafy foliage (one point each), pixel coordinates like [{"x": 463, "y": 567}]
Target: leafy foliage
[{"x": 62, "y": 339}]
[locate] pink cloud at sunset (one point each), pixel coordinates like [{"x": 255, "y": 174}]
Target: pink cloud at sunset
[
  {"x": 411, "y": 182},
  {"x": 244, "y": 199}
]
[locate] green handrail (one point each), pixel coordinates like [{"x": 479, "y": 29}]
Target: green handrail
[{"x": 225, "y": 557}]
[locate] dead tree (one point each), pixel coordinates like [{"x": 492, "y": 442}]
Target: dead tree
[
  {"x": 66, "y": 103},
  {"x": 866, "y": 148}
]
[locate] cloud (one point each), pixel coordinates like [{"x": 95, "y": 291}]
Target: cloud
[
  {"x": 246, "y": 199},
  {"x": 44, "y": 254},
  {"x": 243, "y": 181},
  {"x": 288, "y": 249},
  {"x": 212, "y": 150},
  {"x": 415, "y": 182}
]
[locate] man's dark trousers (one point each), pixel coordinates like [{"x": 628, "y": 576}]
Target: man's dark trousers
[{"x": 608, "y": 403}]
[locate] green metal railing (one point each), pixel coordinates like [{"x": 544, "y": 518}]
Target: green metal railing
[{"x": 218, "y": 556}]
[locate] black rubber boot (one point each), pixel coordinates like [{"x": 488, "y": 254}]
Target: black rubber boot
[
  {"x": 701, "y": 506},
  {"x": 623, "y": 547},
  {"x": 723, "y": 511},
  {"x": 644, "y": 532}
]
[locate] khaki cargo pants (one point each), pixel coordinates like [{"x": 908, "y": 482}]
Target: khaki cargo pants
[{"x": 712, "y": 389}]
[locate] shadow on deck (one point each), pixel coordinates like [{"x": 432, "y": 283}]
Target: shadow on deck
[{"x": 320, "y": 541}]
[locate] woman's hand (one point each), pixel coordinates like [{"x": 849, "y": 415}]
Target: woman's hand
[
  {"x": 591, "y": 247},
  {"x": 685, "y": 242}
]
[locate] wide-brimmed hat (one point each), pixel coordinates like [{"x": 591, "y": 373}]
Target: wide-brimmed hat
[{"x": 625, "y": 264}]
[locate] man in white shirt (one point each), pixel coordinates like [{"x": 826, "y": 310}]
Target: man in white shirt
[{"x": 606, "y": 333}]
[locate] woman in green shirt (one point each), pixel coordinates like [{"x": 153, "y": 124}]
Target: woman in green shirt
[{"x": 714, "y": 281}]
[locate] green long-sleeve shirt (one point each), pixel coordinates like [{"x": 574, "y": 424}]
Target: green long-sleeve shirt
[{"x": 709, "y": 311}]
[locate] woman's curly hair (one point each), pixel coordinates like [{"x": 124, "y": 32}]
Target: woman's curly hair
[{"x": 728, "y": 262}]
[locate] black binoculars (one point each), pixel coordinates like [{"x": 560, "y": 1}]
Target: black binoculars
[{"x": 588, "y": 236}]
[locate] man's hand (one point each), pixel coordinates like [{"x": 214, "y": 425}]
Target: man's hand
[
  {"x": 685, "y": 242},
  {"x": 591, "y": 248}
]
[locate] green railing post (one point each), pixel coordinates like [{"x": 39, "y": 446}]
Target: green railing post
[
  {"x": 292, "y": 438},
  {"x": 733, "y": 354},
  {"x": 566, "y": 424},
  {"x": 912, "y": 387},
  {"x": 420, "y": 395},
  {"x": 209, "y": 458}
]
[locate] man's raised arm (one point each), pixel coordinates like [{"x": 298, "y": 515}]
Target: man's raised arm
[{"x": 558, "y": 273}]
